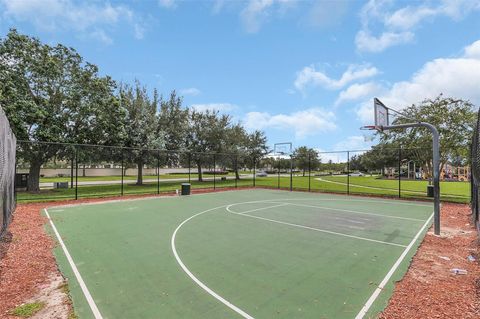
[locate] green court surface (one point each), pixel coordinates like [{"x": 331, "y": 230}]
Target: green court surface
[{"x": 237, "y": 254}]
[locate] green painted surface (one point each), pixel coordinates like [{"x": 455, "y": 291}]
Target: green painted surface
[{"x": 268, "y": 269}]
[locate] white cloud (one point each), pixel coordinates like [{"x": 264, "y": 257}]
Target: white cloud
[
  {"x": 368, "y": 43},
  {"x": 338, "y": 154},
  {"x": 410, "y": 16},
  {"x": 399, "y": 24},
  {"x": 221, "y": 107},
  {"x": 254, "y": 13},
  {"x": 90, "y": 19},
  {"x": 303, "y": 123},
  {"x": 139, "y": 31},
  {"x": 455, "y": 77},
  {"x": 327, "y": 13},
  {"x": 217, "y": 6},
  {"x": 357, "y": 91},
  {"x": 257, "y": 11},
  {"x": 352, "y": 143},
  {"x": 101, "y": 36},
  {"x": 309, "y": 76},
  {"x": 190, "y": 91},
  {"x": 473, "y": 50},
  {"x": 169, "y": 4}
]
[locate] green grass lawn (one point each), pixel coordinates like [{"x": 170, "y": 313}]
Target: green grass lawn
[
  {"x": 450, "y": 191},
  {"x": 86, "y": 191}
]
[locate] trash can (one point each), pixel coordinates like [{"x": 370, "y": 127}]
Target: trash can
[
  {"x": 60, "y": 185},
  {"x": 430, "y": 191},
  {"x": 185, "y": 188},
  {"x": 21, "y": 180}
]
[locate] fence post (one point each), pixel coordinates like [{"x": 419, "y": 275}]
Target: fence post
[
  {"x": 236, "y": 169},
  {"x": 189, "y": 164},
  {"x": 76, "y": 172},
  {"x": 254, "y": 169},
  {"x": 71, "y": 171},
  {"x": 348, "y": 172},
  {"x": 214, "y": 174},
  {"x": 278, "y": 173},
  {"x": 291, "y": 173},
  {"x": 15, "y": 180},
  {"x": 399, "y": 171},
  {"x": 158, "y": 172},
  {"x": 309, "y": 172},
  {"x": 121, "y": 187}
]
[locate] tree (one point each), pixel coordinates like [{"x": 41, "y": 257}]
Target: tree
[
  {"x": 173, "y": 125},
  {"x": 246, "y": 149},
  {"x": 51, "y": 95},
  {"x": 454, "y": 119},
  {"x": 206, "y": 134},
  {"x": 141, "y": 126},
  {"x": 305, "y": 158}
]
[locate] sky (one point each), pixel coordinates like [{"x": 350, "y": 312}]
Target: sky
[{"x": 304, "y": 72}]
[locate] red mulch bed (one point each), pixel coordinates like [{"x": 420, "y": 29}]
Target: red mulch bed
[{"x": 428, "y": 290}]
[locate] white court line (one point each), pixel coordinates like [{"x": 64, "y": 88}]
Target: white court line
[
  {"x": 86, "y": 293},
  {"x": 345, "y": 198},
  {"x": 379, "y": 188},
  {"x": 357, "y": 212},
  {"x": 310, "y": 228},
  {"x": 195, "y": 279},
  {"x": 385, "y": 280}
]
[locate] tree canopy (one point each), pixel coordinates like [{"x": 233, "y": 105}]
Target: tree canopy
[{"x": 50, "y": 94}]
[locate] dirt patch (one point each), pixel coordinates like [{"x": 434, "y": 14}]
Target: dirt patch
[
  {"x": 54, "y": 295},
  {"x": 430, "y": 289}
]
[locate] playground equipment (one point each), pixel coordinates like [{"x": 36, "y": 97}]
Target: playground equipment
[{"x": 455, "y": 173}]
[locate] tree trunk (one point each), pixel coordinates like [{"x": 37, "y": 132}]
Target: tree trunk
[
  {"x": 199, "y": 168},
  {"x": 140, "y": 172},
  {"x": 304, "y": 172},
  {"x": 237, "y": 174},
  {"x": 33, "y": 184}
]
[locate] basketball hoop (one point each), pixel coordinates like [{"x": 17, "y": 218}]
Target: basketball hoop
[
  {"x": 369, "y": 137},
  {"x": 369, "y": 128}
]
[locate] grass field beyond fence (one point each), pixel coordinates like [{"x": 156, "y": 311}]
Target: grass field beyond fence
[{"x": 368, "y": 185}]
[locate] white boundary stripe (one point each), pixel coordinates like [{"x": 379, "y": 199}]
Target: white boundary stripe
[
  {"x": 357, "y": 212},
  {"x": 82, "y": 284},
  {"x": 379, "y": 188},
  {"x": 312, "y": 228},
  {"x": 257, "y": 209},
  {"x": 195, "y": 279},
  {"x": 133, "y": 199},
  {"x": 344, "y": 198},
  {"x": 385, "y": 280}
]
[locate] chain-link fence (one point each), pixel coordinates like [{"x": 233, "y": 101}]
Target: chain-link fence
[
  {"x": 475, "y": 180},
  {"x": 53, "y": 171},
  {"x": 7, "y": 172}
]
